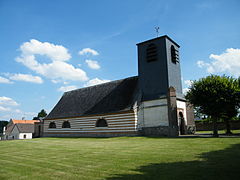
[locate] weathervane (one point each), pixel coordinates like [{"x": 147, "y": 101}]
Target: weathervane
[{"x": 157, "y": 30}]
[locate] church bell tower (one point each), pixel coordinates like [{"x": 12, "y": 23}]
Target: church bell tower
[
  {"x": 160, "y": 85},
  {"x": 159, "y": 67}
]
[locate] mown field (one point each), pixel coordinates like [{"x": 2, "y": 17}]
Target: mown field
[{"x": 121, "y": 158}]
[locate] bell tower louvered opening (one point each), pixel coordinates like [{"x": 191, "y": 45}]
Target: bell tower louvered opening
[
  {"x": 151, "y": 53},
  {"x": 174, "y": 55}
]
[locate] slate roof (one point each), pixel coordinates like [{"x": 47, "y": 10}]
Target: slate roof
[
  {"x": 25, "y": 128},
  {"x": 114, "y": 96}
]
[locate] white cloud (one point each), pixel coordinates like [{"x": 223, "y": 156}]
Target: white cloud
[
  {"x": 87, "y": 51},
  {"x": 7, "y": 101},
  {"x": 4, "y": 109},
  {"x": 5, "y": 80},
  {"x": 185, "y": 90},
  {"x": 95, "y": 81},
  {"x": 26, "y": 78},
  {"x": 67, "y": 88},
  {"x": 57, "y": 69},
  {"x": 188, "y": 82},
  {"x": 54, "y": 52},
  {"x": 227, "y": 62},
  {"x": 92, "y": 64}
]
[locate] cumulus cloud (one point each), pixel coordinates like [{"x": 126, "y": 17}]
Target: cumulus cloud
[
  {"x": 7, "y": 101},
  {"x": 67, "y": 88},
  {"x": 95, "y": 81},
  {"x": 188, "y": 82},
  {"x": 92, "y": 64},
  {"x": 57, "y": 69},
  {"x": 54, "y": 52},
  {"x": 88, "y": 51},
  {"x": 5, "y": 80},
  {"x": 228, "y": 62},
  {"x": 26, "y": 78}
]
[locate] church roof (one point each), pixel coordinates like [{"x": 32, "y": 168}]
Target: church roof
[{"x": 114, "y": 96}]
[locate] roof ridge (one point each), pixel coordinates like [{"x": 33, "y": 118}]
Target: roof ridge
[{"x": 114, "y": 81}]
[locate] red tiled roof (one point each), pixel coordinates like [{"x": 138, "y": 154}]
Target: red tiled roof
[{"x": 24, "y": 121}]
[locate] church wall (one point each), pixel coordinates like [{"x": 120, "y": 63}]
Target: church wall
[
  {"x": 123, "y": 123},
  {"x": 153, "y": 118},
  {"x": 155, "y": 113}
]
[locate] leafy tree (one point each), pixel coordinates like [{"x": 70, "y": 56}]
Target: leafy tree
[
  {"x": 2, "y": 124},
  {"x": 215, "y": 96},
  {"x": 41, "y": 114}
]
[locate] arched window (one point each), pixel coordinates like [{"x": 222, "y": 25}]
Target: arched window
[
  {"x": 66, "y": 124},
  {"x": 101, "y": 123},
  {"x": 24, "y": 136},
  {"x": 174, "y": 54},
  {"x": 52, "y": 125},
  {"x": 151, "y": 53}
]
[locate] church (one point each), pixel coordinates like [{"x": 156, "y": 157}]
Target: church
[{"x": 151, "y": 103}]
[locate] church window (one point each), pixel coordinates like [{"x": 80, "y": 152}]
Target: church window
[
  {"x": 101, "y": 123},
  {"x": 52, "y": 125},
  {"x": 66, "y": 124},
  {"x": 174, "y": 54},
  {"x": 151, "y": 53}
]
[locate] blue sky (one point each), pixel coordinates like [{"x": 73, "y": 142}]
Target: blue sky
[{"x": 48, "y": 47}]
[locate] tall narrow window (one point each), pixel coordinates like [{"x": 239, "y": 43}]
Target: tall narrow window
[
  {"x": 66, "y": 124},
  {"x": 174, "y": 54},
  {"x": 52, "y": 125},
  {"x": 101, "y": 123},
  {"x": 151, "y": 53}
]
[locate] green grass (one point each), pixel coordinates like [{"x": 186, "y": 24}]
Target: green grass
[{"x": 122, "y": 158}]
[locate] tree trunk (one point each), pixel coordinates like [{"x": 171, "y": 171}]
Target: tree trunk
[
  {"x": 215, "y": 128},
  {"x": 228, "y": 127}
]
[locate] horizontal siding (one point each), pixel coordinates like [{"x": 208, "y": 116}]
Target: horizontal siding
[{"x": 122, "y": 122}]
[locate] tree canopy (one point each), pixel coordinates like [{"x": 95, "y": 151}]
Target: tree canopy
[
  {"x": 215, "y": 96},
  {"x": 41, "y": 114}
]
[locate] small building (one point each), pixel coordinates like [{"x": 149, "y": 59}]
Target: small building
[
  {"x": 151, "y": 103},
  {"x": 21, "y": 129}
]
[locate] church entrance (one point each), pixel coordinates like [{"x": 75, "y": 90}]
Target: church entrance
[{"x": 181, "y": 123}]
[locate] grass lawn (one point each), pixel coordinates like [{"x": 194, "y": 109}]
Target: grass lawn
[{"x": 121, "y": 158}]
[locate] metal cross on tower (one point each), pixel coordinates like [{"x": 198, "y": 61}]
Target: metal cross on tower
[{"x": 157, "y": 30}]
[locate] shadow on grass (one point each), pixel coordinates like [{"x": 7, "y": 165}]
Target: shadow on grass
[{"x": 222, "y": 164}]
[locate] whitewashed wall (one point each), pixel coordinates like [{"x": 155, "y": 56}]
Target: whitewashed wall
[
  {"x": 28, "y": 135},
  {"x": 118, "y": 122},
  {"x": 14, "y": 133},
  {"x": 153, "y": 113},
  {"x": 181, "y": 106}
]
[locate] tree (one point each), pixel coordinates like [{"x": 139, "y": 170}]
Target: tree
[
  {"x": 215, "y": 96},
  {"x": 41, "y": 114}
]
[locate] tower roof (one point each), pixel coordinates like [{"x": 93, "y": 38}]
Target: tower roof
[{"x": 161, "y": 37}]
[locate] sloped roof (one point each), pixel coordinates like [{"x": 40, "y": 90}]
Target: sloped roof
[
  {"x": 12, "y": 122},
  {"x": 24, "y": 121},
  {"x": 108, "y": 97},
  {"x": 25, "y": 128}
]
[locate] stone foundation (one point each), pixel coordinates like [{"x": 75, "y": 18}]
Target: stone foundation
[{"x": 159, "y": 131}]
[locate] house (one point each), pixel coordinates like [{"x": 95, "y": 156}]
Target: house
[
  {"x": 21, "y": 129},
  {"x": 151, "y": 103}
]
